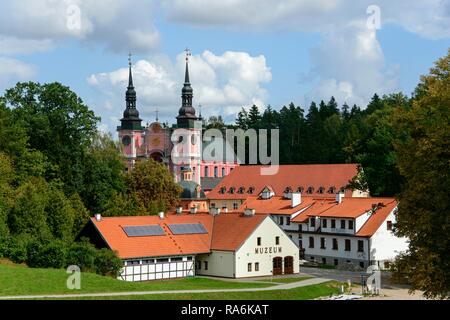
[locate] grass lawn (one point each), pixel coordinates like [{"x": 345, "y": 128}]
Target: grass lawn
[
  {"x": 21, "y": 280},
  {"x": 302, "y": 293},
  {"x": 287, "y": 280}
]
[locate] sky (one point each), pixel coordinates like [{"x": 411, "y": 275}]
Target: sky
[{"x": 244, "y": 52}]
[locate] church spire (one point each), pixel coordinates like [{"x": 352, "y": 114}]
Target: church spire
[
  {"x": 187, "y": 111},
  {"x": 131, "y": 120}
]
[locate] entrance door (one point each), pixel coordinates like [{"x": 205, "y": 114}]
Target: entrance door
[
  {"x": 277, "y": 266},
  {"x": 289, "y": 265}
]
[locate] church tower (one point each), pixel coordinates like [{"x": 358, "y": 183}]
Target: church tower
[
  {"x": 131, "y": 132},
  {"x": 191, "y": 127}
]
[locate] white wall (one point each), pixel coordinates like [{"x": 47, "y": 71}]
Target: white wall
[
  {"x": 385, "y": 245},
  {"x": 268, "y": 230},
  {"x": 340, "y": 253},
  {"x": 220, "y": 264}
]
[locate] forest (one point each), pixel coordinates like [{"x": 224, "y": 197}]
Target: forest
[{"x": 57, "y": 170}]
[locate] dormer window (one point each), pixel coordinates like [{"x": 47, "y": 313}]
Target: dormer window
[
  {"x": 251, "y": 190},
  {"x": 222, "y": 190},
  {"x": 232, "y": 189},
  {"x": 288, "y": 190},
  {"x": 321, "y": 190},
  {"x": 241, "y": 190},
  {"x": 310, "y": 190},
  {"x": 300, "y": 189},
  {"x": 332, "y": 190},
  {"x": 267, "y": 193}
]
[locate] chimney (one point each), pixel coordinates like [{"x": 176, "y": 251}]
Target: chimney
[
  {"x": 161, "y": 215},
  {"x": 296, "y": 199},
  {"x": 179, "y": 210},
  {"x": 249, "y": 212},
  {"x": 194, "y": 210},
  {"x": 339, "y": 197},
  {"x": 98, "y": 217},
  {"x": 214, "y": 211}
]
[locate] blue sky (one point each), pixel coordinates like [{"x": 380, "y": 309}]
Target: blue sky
[{"x": 244, "y": 52}]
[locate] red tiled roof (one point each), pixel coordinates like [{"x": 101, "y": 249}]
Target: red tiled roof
[
  {"x": 353, "y": 207},
  {"x": 225, "y": 232},
  {"x": 231, "y": 230},
  {"x": 376, "y": 220},
  {"x": 274, "y": 205},
  {"x": 153, "y": 246},
  {"x": 319, "y": 206},
  {"x": 294, "y": 176}
]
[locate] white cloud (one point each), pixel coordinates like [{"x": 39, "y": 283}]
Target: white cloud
[
  {"x": 119, "y": 25},
  {"x": 222, "y": 84},
  {"x": 350, "y": 65},
  {"x": 13, "y": 45},
  {"x": 14, "y": 70}
]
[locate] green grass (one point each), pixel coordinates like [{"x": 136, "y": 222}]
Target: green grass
[
  {"x": 20, "y": 280},
  {"x": 301, "y": 293},
  {"x": 287, "y": 280}
]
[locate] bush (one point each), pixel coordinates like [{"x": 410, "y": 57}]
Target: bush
[
  {"x": 15, "y": 248},
  {"x": 82, "y": 254},
  {"x": 107, "y": 263},
  {"x": 46, "y": 255}
]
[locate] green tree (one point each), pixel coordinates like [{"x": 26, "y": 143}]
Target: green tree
[
  {"x": 423, "y": 152},
  {"x": 103, "y": 172},
  {"x": 57, "y": 123},
  {"x": 151, "y": 183}
]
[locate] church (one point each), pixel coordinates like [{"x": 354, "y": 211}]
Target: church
[{"x": 156, "y": 141}]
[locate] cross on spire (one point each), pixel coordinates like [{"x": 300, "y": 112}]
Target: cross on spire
[
  {"x": 188, "y": 53},
  {"x": 129, "y": 59},
  {"x": 157, "y": 114}
]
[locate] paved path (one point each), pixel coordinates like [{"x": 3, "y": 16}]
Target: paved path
[{"x": 286, "y": 286}]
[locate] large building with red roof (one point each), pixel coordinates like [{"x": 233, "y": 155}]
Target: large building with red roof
[
  {"x": 315, "y": 180},
  {"x": 350, "y": 232},
  {"x": 186, "y": 244}
]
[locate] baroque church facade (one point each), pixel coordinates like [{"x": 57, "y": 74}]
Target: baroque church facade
[{"x": 160, "y": 142}]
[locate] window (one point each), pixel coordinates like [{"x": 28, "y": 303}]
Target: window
[
  {"x": 335, "y": 244},
  {"x": 350, "y": 224},
  {"x": 256, "y": 266},
  {"x": 360, "y": 246},
  {"x": 133, "y": 263},
  {"x": 312, "y": 222},
  {"x": 223, "y": 172},
  {"x": 336, "y": 262},
  {"x": 347, "y": 245},
  {"x": 333, "y": 224},
  {"x": 241, "y": 190},
  {"x": 206, "y": 265},
  {"x": 232, "y": 189},
  {"x": 212, "y": 205},
  {"x": 321, "y": 190},
  {"x": 361, "y": 264},
  {"x": 176, "y": 259},
  {"x": 322, "y": 243},
  {"x": 300, "y": 189},
  {"x": 324, "y": 261},
  {"x": 249, "y": 267},
  {"x": 198, "y": 265},
  {"x": 288, "y": 221},
  {"x": 223, "y": 190},
  {"x": 251, "y": 190},
  {"x": 216, "y": 172},
  {"x": 342, "y": 224},
  {"x": 310, "y": 190},
  {"x": 332, "y": 190},
  {"x": 206, "y": 171},
  {"x": 258, "y": 241},
  {"x": 189, "y": 258},
  {"x": 389, "y": 225},
  {"x": 324, "y": 223},
  {"x": 311, "y": 242},
  {"x": 162, "y": 260},
  {"x": 277, "y": 241},
  {"x": 281, "y": 221},
  {"x": 235, "y": 206}
]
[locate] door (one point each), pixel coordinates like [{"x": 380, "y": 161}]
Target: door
[
  {"x": 277, "y": 266},
  {"x": 289, "y": 265}
]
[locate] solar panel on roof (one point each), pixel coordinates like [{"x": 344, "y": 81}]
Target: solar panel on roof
[
  {"x": 187, "y": 228},
  {"x": 143, "y": 231}
]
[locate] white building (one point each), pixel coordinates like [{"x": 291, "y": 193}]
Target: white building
[
  {"x": 181, "y": 245},
  {"x": 352, "y": 232}
]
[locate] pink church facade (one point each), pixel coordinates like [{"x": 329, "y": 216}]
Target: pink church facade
[{"x": 179, "y": 147}]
